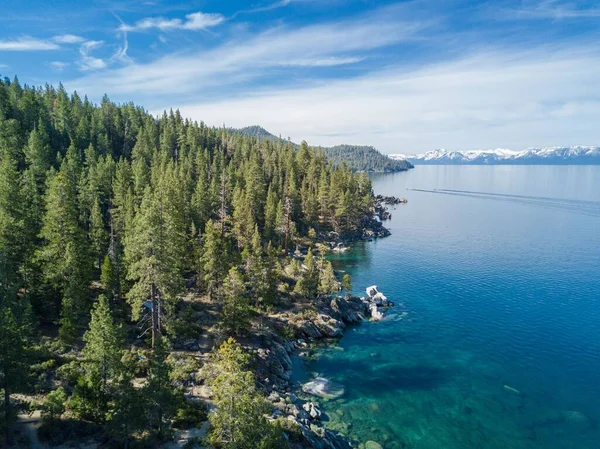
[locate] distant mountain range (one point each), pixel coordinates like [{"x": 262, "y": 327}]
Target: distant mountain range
[
  {"x": 577, "y": 155},
  {"x": 357, "y": 157}
]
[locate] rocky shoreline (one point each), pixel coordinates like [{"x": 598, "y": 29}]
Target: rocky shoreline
[
  {"x": 381, "y": 203},
  {"x": 274, "y": 365}
]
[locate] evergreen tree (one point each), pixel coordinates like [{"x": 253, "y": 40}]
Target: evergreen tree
[
  {"x": 101, "y": 362},
  {"x": 214, "y": 259},
  {"x": 235, "y": 316},
  {"x": 160, "y": 397},
  {"x": 15, "y": 343},
  {"x": 308, "y": 283},
  {"x": 238, "y": 421},
  {"x": 154, "y": 252},
  {"x": 129, "y": 404},
  {"x": 327, "y": 281},
  {"x": 65, "y": 256},
  {"x": 347, "y": 283}
]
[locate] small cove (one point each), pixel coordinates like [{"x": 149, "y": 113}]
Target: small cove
[{"x": 494, "y": 340}]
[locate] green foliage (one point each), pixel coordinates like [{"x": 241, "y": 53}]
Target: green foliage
[
  {"x": 160, "y": 396},
  {"x": 101, "y": 364},
  {"x": 236, "y": 312},
  {"x": 364, "y": 158},
  {"x": 327, "y": 280},
  {"x": 238, "y": 421},
  {"x": 347, "y": 283},
  {"x": 144, "y": 205},
  {"x": 190, "y": 414},
  {"x": 54, "y": 405}
]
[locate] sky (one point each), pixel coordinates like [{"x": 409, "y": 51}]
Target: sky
[{"x": 403, "y": 76}]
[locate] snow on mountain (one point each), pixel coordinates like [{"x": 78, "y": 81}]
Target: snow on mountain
[{"x": 579, "y": 155}]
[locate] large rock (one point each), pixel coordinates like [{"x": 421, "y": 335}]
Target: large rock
[
  {"x": 312, "y": 410},
  {"x": 350, "y": 309},
  {"x": 376, "y": 314},
  {"x": 309, "y": 329},
  {"x": 323, "y": 388},
  {"x": 380, "y": 299},
  {"x": 371, "y": 291},
  {"x": 329, "y": 327}
]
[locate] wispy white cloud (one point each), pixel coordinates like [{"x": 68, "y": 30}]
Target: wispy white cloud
[
  {"x": 88, "y": 62},
  {"x": 328, "y": 44},
  {"x": 58, "y": 65},
  {"x": 488, "y": 99},
  {"x": 193, "y": 22},
  {"x": 3, "y": 66},
  {"x": 27, "y": 43},
  {"x": 323, "y": 62},
  {"x": 68, "y": 39},
  {"x": 551, "y": 9}
]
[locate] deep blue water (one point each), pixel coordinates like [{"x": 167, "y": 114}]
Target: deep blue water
[{"x": 497, "y": 284}]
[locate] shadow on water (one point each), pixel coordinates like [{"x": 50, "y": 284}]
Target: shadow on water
[{"x": 372, "y": 379}]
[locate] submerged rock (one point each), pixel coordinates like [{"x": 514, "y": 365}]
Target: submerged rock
[
  {"x": 323, "y": 388},
  {"x": 576, "y": 418},
  {"x": 372, "y": 445}
]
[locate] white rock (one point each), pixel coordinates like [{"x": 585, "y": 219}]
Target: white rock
[
  {"x": 375, "y": 313},
  {"x": 372, "y": 291},
  {"x": 380, "y": 299}
]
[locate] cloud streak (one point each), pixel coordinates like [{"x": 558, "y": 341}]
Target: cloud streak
[
  {"x": 193, "y": 22},
  {"x": 27, "y": 43},
  {"x": 88, "y": 62},
  {"x": 487, "y": 99},
  {"x": 552, "y": 9},
  {"x": 68, "y": 39},
  {"x": 250, "y": 58}
]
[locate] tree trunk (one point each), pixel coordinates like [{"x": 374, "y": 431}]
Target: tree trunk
[{"x": 154, "y": 301}]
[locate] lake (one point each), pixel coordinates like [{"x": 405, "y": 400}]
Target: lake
[{"x": 494, "y": 341}]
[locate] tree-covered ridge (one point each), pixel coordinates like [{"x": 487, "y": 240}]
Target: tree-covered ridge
[
  {"x": 356, "y": 157},
  {"x": 364, "y": 158},
  {"x": 108, "y": 216}
]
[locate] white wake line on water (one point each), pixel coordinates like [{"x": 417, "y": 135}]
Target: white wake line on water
[
  {"x": 537, "y": 198},
  {"x": 591, "y": 210}
]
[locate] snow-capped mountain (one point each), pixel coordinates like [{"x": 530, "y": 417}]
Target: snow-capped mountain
[{"x": 578, "y": 155}]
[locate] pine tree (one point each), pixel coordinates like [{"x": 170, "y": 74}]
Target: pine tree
[
  {"x": 128, "y": 403},
  {"x": 238, "y": 420},
  {"x": 13, "y": 234},
  {"x": 154, "y": 252},
  {"x": 308, "y": 283},
  {"x": 101, "y": 362},
  {"x": 327, "y": 281},
  {"x": 15, "y": 344},
  {"x": 214, "y": 259},
  {"x": 65, "y": 255},
  {"x": 270, "y": 214},
  {"x": 159, "y": 393},
  {"x": 347, "y": 283},
  {"x": 235, "y": 316}
]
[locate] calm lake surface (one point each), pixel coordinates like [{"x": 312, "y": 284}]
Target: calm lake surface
[{"x": 494, "y": 341}]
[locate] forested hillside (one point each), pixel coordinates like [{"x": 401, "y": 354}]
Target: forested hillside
[
  {"x": 356, "y": 157},
  {"x": 364, "y": 158},
  {"x": 109, "y": 217}
]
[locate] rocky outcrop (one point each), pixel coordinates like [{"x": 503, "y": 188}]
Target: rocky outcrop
[
  {"x": 274, "y": 365},
  {"x": 380, "y": 205},
  {"x": 306, "y": 416}
]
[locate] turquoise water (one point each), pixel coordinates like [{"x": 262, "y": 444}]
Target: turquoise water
[{"x": 495, "y": 338}]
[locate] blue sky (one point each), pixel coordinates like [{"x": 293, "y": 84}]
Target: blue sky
[{"x": 405, "y": 76}]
